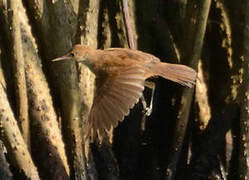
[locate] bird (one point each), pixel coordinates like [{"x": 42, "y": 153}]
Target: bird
[{"x": 121, "y": 74}]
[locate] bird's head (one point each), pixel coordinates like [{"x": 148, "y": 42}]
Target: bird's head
[{"x": 78, "y": 53}]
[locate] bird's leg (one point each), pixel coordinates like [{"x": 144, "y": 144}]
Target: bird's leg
[
  {"x": 144, "y": 104},
  {"x": 148, "y": 109}
]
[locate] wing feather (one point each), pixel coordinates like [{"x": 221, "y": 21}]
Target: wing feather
[
  {"x": 119, "y": 102},
  {"x": 103, "y": 117},
  {"x": 115, "y": 98},
  {"x": 112, "y": 112}
]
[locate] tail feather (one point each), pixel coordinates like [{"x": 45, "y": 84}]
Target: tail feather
[{"x": 181, "y": 74}]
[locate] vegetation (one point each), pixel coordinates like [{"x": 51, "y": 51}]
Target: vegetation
[{"x": 197, "y": 134}]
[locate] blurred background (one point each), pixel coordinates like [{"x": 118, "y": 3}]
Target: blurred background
[{"x": 199, "y": 133}]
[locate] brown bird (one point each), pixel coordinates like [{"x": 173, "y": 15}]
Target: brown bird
[{"x": 120, "y": 79}]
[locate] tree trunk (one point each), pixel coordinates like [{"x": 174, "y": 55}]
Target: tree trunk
[{"x": 191, "y": 133}]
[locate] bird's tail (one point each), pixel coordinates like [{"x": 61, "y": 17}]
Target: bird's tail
[{"x": 181, "y": 74}]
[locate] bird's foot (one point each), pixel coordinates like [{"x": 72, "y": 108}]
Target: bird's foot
[{"x": 147, "y": 111}]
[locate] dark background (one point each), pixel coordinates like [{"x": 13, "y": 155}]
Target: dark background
[{"x": 198, "y": 134}]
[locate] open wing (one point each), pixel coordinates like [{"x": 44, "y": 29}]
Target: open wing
[{"x": 115, "y": 98}]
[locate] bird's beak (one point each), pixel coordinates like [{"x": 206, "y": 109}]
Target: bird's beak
[
  {"x": 62, "y": 58},
  {"x": 66, "y": 58}
]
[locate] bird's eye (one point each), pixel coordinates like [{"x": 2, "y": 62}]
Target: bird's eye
[{"x": 72, "y": 54}]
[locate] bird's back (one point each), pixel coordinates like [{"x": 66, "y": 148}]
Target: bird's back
[{"x": 131, "y": 55}]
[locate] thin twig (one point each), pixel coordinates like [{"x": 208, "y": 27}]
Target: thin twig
[{"x": 127, "y": 20}]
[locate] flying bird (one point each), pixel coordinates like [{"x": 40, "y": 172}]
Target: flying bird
[{"x": 120, "y": 80}]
